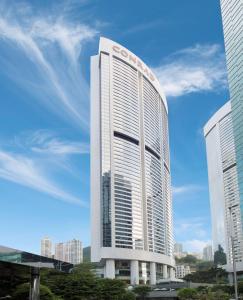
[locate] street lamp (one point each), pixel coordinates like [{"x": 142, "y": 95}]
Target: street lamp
[{"x": 233, "y": 252}]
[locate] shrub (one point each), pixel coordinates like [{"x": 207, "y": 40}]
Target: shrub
[
  {"x": 22, "y": 292},
  {"x": 187, "y": 293}
]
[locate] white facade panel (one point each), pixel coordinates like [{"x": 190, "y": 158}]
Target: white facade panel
[{"x": 131, "y": 208}]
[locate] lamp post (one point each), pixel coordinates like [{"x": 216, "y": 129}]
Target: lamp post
[{"x": 233, "y": 252}]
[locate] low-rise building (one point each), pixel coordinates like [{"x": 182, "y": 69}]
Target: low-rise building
[{"x": 182, "y": 271}]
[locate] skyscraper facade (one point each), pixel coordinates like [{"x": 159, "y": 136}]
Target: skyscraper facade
[
  {"x": 46, "y": 247},
  {"x": 131, "y": 209},
  {"x": 223, "y": 184},
  {"x": 232, "y": 15},
  {"x": 74, "y": 252},
  {"x": 60, "y": 249}
]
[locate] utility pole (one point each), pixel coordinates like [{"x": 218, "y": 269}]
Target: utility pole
[{"x": 233, "y": 252}]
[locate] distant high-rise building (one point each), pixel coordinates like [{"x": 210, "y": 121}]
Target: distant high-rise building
[
  {"x": 208, "y": 253},
  {"x": 178, "y": 248},
  {"x": 232, "y": 15},
  {"x": 178, "y": 251},
  {"x": 46, "y": 247},
  {"x": 131, "y": 207},
  {"x": 223, "y": 184},
  {"x": 60, "y": 250},
  {"x": 74, "y": 252}
]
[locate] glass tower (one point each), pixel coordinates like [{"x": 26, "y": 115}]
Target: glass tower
[
  {"x": 223, "y": 184},
  {"x": 232, "y": 15},
  {"x": 130, "y": 169}
]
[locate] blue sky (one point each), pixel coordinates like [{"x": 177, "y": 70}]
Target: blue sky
[{"x": 44, "y": 78}]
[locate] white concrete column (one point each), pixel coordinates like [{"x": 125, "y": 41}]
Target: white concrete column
[
  {"x": 165, "y": 272},
  {"x": 134, "y": 277},
  {"x": 231, "y": 278},
  {"x": 152, "y": 273},
  {"x": 110, "y": 268},
  {"x": 171, "y": 273}
]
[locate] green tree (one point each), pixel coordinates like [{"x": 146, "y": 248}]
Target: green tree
[
  {"x": 142, "y": 291},
  {"x": 22, "y": 292},
  {"x": 240, "y": 287},
  {"x": 228, "y": 289},
  {"x": 187, "y": 294},
  {"x": 189, "y": 259},
  {"x": 218, "y": 295},
  {"x": 129, "y": 295},
  {"x": 213, "y": 275},
  {"x": 80, "y": 284},
  {"x": 204, "y": 265},
  {"x": 110, "y": 289},
  {"x": 219, "y": 256}
]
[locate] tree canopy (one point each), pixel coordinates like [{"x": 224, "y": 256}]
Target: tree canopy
[
  {"x": 220, "y": 256},
  {"x": 82, "y": 283},
  {"x": 187, "y": 294},
  {"x": 142, "y": 291},
  {"x": 213, "y": 275},
  {"x": 189, "y": 259}
]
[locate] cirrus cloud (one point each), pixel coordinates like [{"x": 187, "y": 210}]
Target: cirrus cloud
[
  {"x": 27, "y": 172},
  {"x": 47, "y": 142},
  {"x": 201, "y": 68},
  {"x": 40, "y": 53}
]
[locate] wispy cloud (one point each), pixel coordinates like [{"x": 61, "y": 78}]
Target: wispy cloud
[
  {"x": 50, "y": 47},
  {"x": 27, "y": 172},
  {"x": 196, "y": 245},
  {"x": 187, "y": 189},
  {"x": 200, "y": 68},
  {"x": 191, "y": 228},
  {"x": 48, "y": 143},
  {"x": 143, "y": 26}
]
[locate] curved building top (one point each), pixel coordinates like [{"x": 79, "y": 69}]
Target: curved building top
[
  {"x": 113, "y": 48},
  {"x": 218, "y": 116}
]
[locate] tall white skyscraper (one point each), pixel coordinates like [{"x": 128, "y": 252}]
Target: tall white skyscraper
[
  {"x": 223, "y": 184},
  {"x": 131, "y": 208},
  {"x": 46, "y": 247},
  {"x": 74, "y": 252}
]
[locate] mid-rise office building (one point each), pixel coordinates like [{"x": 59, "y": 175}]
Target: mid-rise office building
[
  {"x": 223, "y": 184},
  {"x": 46, "y": 247},
  {"x": 232, "y": 15},
  {"x": 74, "y": 252},
  {"x": 131, "y": 207},
  {"x": 208, "y": 253}
]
